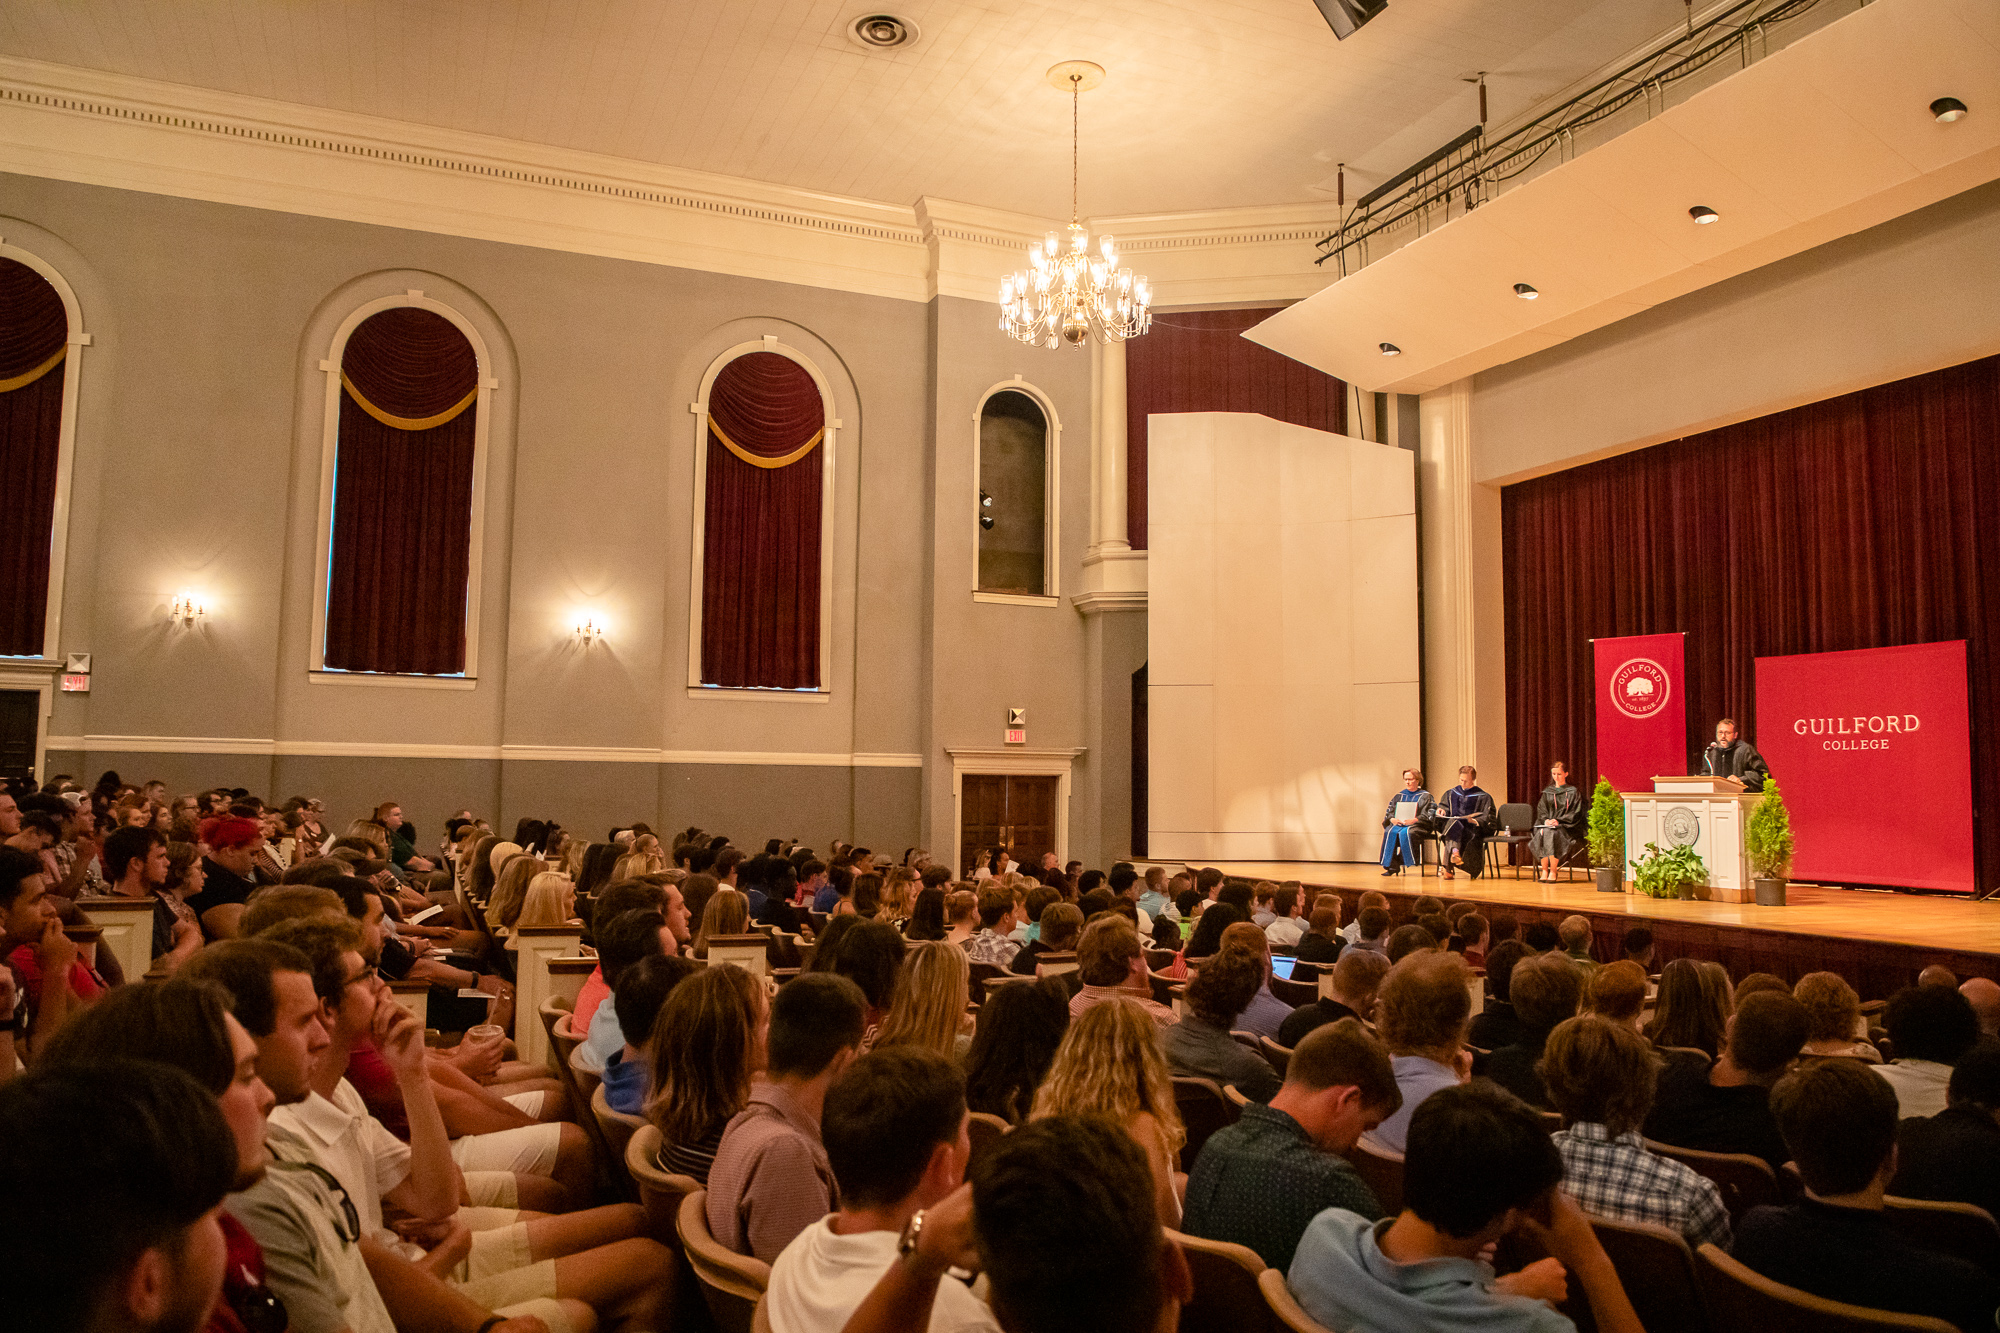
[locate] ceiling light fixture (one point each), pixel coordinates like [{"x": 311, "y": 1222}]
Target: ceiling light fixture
[
  {"x": 1703, "y": 214},
  {"x": 1390, "y": 349},
  {"x": 1066, "y": 295},
  {"x": 1947, "y": 109},
  {"x": 1525, "y": 292}
]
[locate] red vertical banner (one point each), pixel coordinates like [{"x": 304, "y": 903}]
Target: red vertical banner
[
  {"x": 1873, "y": 751},
  {"x": 1641, "y": 711}
]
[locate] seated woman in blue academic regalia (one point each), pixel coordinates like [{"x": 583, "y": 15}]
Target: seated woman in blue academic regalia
[
  {"x": 1409, "y": 810},
  {"x": 1560, "y": 819},
  {"x": 1467, "y": 812}
]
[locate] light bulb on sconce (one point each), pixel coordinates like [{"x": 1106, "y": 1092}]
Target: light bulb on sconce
[
  {"x": 186, "y": 609},
  {"x": 589, "y": 631}
]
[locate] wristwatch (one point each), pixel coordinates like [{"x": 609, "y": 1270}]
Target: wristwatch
[{"x": 913, "y": 1230}]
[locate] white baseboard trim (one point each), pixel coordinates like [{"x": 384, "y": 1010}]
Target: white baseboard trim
[{"x": 534, "y": 753}]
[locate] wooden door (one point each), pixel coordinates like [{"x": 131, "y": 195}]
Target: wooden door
[
  {"x": 20, "y": 711},
  {"x": 1007, "y": 810}
]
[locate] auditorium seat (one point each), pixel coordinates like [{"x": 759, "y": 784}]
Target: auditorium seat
[
  {"x": 1159, "y": 958},
  {"x": 983, "y": 973},
  {"x": 1286, "y": 1313},
  {"x": 1248, "y": 1040},
  {"x": 1295, "y": 993},
  {"x": 615, "y": 1130},
  {"x": 1742, "y": 1301},
  {"x": 1746, "y": 1182},
  {"x": 1236, "y": 1097},
  {"x": 1204, "y": 1108},
  {"x": 1516, "y": 819},
  {"x": 1383, "y": 1172},
  {"x": 1227, "y": 1298},
  {"x": 1280, "y": 1057},
  {"x": 1055, "y": 964},
  {"x": 1962, "y": 1229},
  {"x": 660, "y": 1192},
  {"x": 1658, "y": 1272},
  {"x": 985, "y": 1130},
  {"x": 731, "y": 1283}
]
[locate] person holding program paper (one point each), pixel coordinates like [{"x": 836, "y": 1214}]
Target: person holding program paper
[
  {"x": 1408, "y": 809},
  {"x": 1559, "y": 823},
  {"x": 1468, "y": 813}
]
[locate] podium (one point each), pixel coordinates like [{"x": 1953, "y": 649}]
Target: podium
[{"x": 1710, "y": 813}]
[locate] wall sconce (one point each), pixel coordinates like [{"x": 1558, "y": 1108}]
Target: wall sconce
[
  {"x": 588, "y": 631},
  {"x": 985, "y": 511},
  {"x": 186, "y": 609}
]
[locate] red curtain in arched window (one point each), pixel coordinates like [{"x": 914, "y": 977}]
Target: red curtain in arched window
[
  {"x": 402, "y": 497},
  {"x": 34, "y": 342},
  {"x": 760, "y": 536}
]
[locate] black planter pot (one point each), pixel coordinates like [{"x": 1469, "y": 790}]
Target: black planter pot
[
  {"x": 1607, "y": 878},
  {"x": 1770, "y": 892}
]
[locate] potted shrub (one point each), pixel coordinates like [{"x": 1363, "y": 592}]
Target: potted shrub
[
  {"x": 1672, "y": 873},
  {"x": 1606, "y": 836},
  {"x": 1767, "y": 840}
]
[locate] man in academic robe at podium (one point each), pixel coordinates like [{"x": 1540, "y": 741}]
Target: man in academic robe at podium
[{"x": 1731, "y": 757}]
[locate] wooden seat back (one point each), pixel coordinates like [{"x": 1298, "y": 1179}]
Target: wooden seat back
[
  {"x": 1383, "y": 1174},
  {"x": 1285, "y": 1311},
  {"x": 1657, "y": 1270},
  {"x": 731, "y": 1283},
  {"x": 660, "y": 1191},
  {"x": 1204, "y": 1108},
  {"x": 1746, "y": 1182},
  {"x": 1742, "y": 1301},
  {"x": 615, "y": 1128},
  {"x": 1227, "y": 1298},
  {"x": 1962, "y": 1229}
]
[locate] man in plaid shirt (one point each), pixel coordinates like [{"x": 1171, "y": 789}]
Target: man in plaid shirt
[{"x": 1601, "y": 1076}]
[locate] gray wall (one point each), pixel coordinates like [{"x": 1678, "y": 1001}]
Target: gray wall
[{"x": 198, "y": 465}]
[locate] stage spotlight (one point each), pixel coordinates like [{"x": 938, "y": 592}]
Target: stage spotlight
[
  {"x": 1525, "y": 292},
  {"x": 1390, "y": 349},
  {"x": 1947, "y": 109},
  {"x": 1703, "y": 214}
]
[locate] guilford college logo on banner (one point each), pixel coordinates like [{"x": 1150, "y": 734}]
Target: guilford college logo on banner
[
  {"x": 1640, "y": 688},
  {"x": 1857, "y": 732}
]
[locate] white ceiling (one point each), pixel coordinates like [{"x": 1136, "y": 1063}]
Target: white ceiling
[{"x": 1209, "y": 103}]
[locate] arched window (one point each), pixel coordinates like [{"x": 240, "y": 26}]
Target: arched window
[
  {"x": 766, "y": 454},
  {"x": 1017, "y": 441},
  {"x": 400, "y": 545},
  {"x": 38, "y": 370}
]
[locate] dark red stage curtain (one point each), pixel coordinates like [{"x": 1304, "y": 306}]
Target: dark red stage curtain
[
  {"x": 402, "y": 500},
  {"x": 761, "y": 531},
  {"x": 1194, "y": 361},
  {"x": 1860, "y": 522},
  {"x": 34, "y": 337}
]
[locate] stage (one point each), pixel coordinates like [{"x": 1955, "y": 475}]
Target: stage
[{"x": 1879, "y": 941}]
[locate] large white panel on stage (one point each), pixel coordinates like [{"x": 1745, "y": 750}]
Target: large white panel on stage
[{"x": 1282, "y": 624}]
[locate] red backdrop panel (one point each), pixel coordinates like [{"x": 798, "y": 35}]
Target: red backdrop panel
[
  {"x": 1641, "y": 711},
  {"x": 1858, "y": 740}
]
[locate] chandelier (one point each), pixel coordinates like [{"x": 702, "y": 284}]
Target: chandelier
[{"x": 1067, "y": 294}]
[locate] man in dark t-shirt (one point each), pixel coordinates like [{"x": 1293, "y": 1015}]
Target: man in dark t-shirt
[
  {"x": 1838, "y": 1120},
  {"x": 1725, "y": 1107},
  {"x": 1955, "y": 1154},
  {"x": 1353, "y": 982}
]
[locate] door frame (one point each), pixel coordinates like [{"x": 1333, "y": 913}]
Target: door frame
[
  {"x": 1013, "y": 762},
  {"x": 42, "y": 682}
]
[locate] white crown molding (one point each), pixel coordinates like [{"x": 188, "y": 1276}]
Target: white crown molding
[
  {"x": 575, "y": 754},
  {"x": 124, "y": 132}
]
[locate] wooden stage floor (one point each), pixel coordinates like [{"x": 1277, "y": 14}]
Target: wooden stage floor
[{"x": 1908, "y": 921}]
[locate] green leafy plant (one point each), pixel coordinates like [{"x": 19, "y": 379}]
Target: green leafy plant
[
  {"x": 1768, "y": 838},
  {"x": 1607, "y": 825},
  {"x": 1659, "y": 874}
]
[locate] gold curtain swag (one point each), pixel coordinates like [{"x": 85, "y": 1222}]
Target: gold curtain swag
[
  {"x": 26, "y": 378},
  {"x": 758, "y": 460},
  {"x": 408, "y": 423}
]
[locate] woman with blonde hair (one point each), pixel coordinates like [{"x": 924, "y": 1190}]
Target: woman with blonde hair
[
  {"x": 899, "y": 894},
  {"x": 372, "y": 833},
  {"x": 727, "y": 913},
  {"x": 933, "y": 988},
  {"x": 1110, "y": 1064},
  {"x": 510, "y": 891},
  {"x": 1687, "y": 1012},
  {"x": 705, "y": 1048},
  {"x": 634, "y": 864},
  {"x": 550, "y": 901},
  {"x": 1833, "y": 1018}
]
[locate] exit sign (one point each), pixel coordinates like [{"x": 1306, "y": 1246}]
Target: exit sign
[
  {"x": 76, "y": 682},
  {"x": 1017, "y": 735}
]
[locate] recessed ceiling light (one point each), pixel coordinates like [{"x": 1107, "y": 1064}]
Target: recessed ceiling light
[
  {"x": 1525, "y": 292},
  {"x": 1390, "y": 349},
  {"x": 1703, "y": 214},
  {"x": 1947, "y": 109},
  {"x": 883, "y": 32}
]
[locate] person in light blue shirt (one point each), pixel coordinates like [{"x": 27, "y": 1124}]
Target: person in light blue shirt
[
  {"x": 1153, "y": 899},
  {"x": 1480, "y": 1166},
  {"x": 1422, "y": 1012},
  {"x": 642, "y": 990}
]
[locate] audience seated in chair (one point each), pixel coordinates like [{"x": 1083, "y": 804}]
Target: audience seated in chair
[
  {"x": 1724, "y": 1107},
  {"x": 643, "y": 988},
  {"x": 1617, "y": 991},
  {"x": 1930, "y": 1027},
  {"x": 1020, "y": 1030},
  {"x": 1983, "y": 994},
  {"x": 1955, "y": 1154},
  {"x": 1546, "y": 990},
  {"x": 1839, "y": 1123},
  {"x": 1480, "y": 1167},
  {"x": 622, "y": 941},
  {"x": 1423, "y": 1007},
  {"x": 1112, "y": 964},
  {"x": 1110, "y": 1064},
  {"x": 1200, "y": 1046},
  {"x": 1266, "y": 1013},
  {"x": 894, "y": 1129},
  {"x": 1497, "y": 1024},
  {"x": 1601, "y": 1076},
  {"x": 706, "y": 1050},
  {"x": 1833, "y": 1018},
  {"x": 1687, "y": 1013},
  {"x": 771, "y": 1179},
  {"x": 1575, "y": 934},
  {"x": 1353, "y": 983},
  {"x": 1262, "y": 1180}
]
